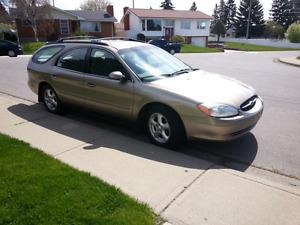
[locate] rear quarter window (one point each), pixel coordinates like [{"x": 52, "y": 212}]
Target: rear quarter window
[{"x": 45, "y": 54}]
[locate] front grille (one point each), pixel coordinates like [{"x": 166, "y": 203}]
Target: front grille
[{"x": 249, "y": 104}]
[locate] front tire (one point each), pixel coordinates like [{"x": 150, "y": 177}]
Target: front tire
[
  {"x": 164, "y": 127},
  {"x": 51, "y": 100},
  {"x": 12, "y": 53}
]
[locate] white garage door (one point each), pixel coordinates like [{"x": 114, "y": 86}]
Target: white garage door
[{"x": 200, "y": 41}]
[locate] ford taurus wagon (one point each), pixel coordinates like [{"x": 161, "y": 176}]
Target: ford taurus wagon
[{"x": 145, "y": 84}]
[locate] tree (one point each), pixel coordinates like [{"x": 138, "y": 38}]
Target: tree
[
  {"x": 167, "y": 4},
  {"x": 282, "y": 12},
  {"x": 31, "y": 11},
  {"x": 94, "y": 5},
  {"x": 222, "y": 12},
  {"x": 256, "y": 23},
  {"x": 293, "y": 32},
  {"x": 4, "y": 17},
  {"x": 219, "y": 29},
  {"x": 274, "y": 30},
  {"x": 215, "y": 16},
  {"x": 193, "y": 7},
  {"x": 231, "y": 14}
]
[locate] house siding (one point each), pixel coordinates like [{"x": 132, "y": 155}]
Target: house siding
[
  {"x": 49, "y": 30},
  {"x": 135, "y": 24}
]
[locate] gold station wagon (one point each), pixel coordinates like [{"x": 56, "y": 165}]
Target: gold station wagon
[{"x": 145, "y": 84}]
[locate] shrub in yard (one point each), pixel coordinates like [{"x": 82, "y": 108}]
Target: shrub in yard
[
  {"x": 274, "y": 30},
  {"x": 178, "y": 39},
  {"x": 293, "y": 32},
  {"x": 141, "y": 37},
  {"x": 79, "y": 32}
]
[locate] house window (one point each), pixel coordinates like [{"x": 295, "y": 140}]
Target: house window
[
  {"x": 169, "y": 23},
  {"x": 201, "y": 25},
  {"x": 90, "y": 26},
  {"x": 26, "y": 23},
  {"x": 153, "y": 25},
  {"x": 64, "y": 26},
  {"x": 185, "y": 24},
  {"x": 144, "y": 25}
]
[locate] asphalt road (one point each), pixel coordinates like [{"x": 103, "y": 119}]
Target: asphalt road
[{"x": 272, "y": 146}]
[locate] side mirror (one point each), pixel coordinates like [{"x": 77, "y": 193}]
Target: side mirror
[{"x": 116, "y": 75}]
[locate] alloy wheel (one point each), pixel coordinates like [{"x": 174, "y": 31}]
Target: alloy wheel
[{"x": 159, "y": 128}]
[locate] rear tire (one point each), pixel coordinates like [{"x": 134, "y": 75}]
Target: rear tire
[
  {"x": 164, "y": 127},
  {"x": 51, "y": 100},
  {"x": 172, "y": 51}
]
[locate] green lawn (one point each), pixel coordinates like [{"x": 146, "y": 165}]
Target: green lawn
[
  {"x": 298, "y": 57},
  {"x": 188, "y": 48},
  {"x": 36, "y": 189},
  {"x": 250, "y": 47},
  {"x": 30, "y": 47}
]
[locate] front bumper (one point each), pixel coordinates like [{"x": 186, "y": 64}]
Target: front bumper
[{"x": 223, "y": 129}]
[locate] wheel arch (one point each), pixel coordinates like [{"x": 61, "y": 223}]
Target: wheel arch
[
  {"x": 41, "y": 86},
  {"x": 143, "y": 112}
]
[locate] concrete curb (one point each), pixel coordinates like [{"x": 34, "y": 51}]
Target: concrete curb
[{"x": 290, "y": 61}]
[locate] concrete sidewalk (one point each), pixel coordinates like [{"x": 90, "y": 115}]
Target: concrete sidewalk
[
  {"x": 291, "y": 61},
  {"x": 182, "y": 189}
]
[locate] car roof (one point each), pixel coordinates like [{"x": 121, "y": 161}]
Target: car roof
[
  {"x": 116, "y": 43},
  {"x": 123, "y": 44}
]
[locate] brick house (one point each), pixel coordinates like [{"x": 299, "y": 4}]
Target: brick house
[
  {"x": 66, "y": 22},
  {"x": 158, "y": 23}
]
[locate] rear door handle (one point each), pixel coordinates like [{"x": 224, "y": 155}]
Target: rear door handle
[
  {"x": 54, "y": 76},
  {"x": 91, "y": 85}
]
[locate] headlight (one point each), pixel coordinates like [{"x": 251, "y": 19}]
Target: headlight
[{"x": 218, "y": 110}]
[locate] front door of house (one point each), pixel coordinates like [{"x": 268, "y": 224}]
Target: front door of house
[{"x": 169, "y": 32}]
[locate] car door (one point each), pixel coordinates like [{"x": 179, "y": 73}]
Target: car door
[
  {"x": 68, "y": 75},
  {"x": 108, "y": 95}
]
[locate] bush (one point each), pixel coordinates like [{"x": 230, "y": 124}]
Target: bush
[
  {"x": 79, "y": 32},
  {"x": 141, "y": 37},
  {"x": 293, "y": 32},
  {"x": 274, "y": 30},
  {"x": 178, "y": 39}
]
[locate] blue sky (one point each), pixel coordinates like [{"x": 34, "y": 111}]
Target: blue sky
[{"x": 205, "y": 6}]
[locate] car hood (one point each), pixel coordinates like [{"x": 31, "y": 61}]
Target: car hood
[{"x": 202, "y": 86}]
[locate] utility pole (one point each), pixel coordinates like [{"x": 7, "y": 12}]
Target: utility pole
[
  {"x": 248, "y": 22},
  {"x": 132, "y": 3},
  {"x": 53, "y": 3}
]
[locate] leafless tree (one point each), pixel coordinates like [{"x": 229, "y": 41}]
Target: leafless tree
[
  {"x": 94, "y": 5},
  {"x": 31, "y": 11}
]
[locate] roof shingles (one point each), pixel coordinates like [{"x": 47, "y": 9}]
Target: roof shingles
[
  {"x": 174, "y": 14},
  {"x": 93, "y": 15}
]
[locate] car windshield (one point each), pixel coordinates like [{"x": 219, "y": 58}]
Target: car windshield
[{"x": 151, "y": 63}]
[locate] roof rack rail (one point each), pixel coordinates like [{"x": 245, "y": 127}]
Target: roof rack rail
[
  {"x": 76, "y": 38},
  {"x": 118, "y": 38}
]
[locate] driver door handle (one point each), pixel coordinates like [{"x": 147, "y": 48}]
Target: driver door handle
[{"x": 91, "y": 84}]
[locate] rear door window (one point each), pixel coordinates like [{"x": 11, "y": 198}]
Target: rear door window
[
  {"x": 46, "y": 54},
  {"x": 73, "y": 59}
]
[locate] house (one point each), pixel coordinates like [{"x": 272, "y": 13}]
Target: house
[
  {"x": 157, "y": 23},
  {"x": 61, "y": 23}
]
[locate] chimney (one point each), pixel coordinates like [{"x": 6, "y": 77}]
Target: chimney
[
  {"x": 110, "y": 9},
  {"x": 125, "y": 10}
]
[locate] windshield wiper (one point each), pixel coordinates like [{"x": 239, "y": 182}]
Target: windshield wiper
[
  {"x": 146, "y": 77},
  {"x": 177, "y": 72}
]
